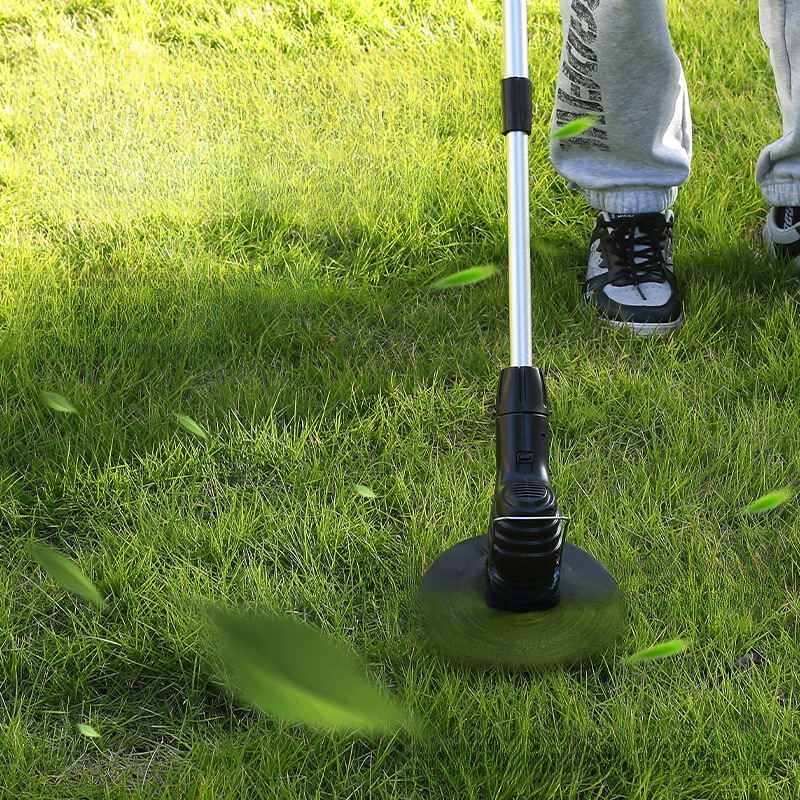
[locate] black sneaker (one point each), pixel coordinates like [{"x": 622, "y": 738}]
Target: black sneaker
[
  {"x": 782, "y": 234},
  {"x": 631, "y": 281}
]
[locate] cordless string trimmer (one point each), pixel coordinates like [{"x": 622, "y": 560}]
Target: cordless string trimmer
[{"x": 520, "y": 596}]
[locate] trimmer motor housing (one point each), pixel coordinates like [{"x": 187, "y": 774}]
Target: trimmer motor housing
[{"x": 526, "y": 531}]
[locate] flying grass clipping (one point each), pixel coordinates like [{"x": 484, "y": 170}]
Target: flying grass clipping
[
  {"x": 663, "y": 650},
  {"x": 58, "y": 403},
  {"x": 287, "y": 668},
  {"x": 65, "y": 573},
  {"x": 769, "y": 501},
  {"x": 575, "y": 128},
  {"x": 188, "y": 424},
  {"x": 466, "y": 277}
]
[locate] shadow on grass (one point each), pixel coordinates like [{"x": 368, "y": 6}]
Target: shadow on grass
[{"x": 132, "y": 331}]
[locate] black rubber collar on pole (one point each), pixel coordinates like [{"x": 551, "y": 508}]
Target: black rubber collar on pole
[{"x": 517, "y": 105}]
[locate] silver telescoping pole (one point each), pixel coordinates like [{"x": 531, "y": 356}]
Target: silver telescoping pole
[{"x": 515, "y": 47}]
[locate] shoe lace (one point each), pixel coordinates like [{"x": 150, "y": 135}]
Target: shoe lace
[{"x": 638, "y": 242}]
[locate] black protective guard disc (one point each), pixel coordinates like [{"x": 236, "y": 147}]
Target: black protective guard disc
[{"x": 452, "y": 606}]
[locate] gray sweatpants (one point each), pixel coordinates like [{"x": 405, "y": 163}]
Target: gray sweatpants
[{"x": 617, "y": 63}]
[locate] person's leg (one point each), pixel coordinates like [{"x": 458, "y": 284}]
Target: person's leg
[
  {"x": 778, "y": 166},
  {"x": 617, "y": 62}
]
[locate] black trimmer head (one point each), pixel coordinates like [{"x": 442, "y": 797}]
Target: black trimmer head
[{"x": 521, "y": 597}]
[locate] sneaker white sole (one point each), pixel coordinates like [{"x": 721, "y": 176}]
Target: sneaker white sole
[
  {"x": 771, "y": 235},
  {"x": 646, "y": 329}
]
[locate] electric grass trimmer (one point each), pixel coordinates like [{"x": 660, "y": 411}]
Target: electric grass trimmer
[{"x": 520, "y": 596}]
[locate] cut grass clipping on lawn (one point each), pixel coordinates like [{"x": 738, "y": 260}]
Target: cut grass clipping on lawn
[{"x": 239, "y": 212}]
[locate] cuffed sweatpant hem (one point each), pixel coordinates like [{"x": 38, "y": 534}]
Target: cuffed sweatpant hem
[
  {"x": 641, "y": 200},
  {"x": 781, "y": 194}
]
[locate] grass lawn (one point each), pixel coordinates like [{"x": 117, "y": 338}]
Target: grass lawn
[{"x": 233, "y": 210}]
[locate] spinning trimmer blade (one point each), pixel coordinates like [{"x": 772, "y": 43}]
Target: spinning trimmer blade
[
  {"x": 520, "y": 597},
  {"x": 465, "y": 629}
]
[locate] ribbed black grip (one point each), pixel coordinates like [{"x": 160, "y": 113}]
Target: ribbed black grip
[
  {"x": 526, "y": 531},
  {"x": 517, "y": 105}
]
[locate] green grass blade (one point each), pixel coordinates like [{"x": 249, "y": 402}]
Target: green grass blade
[
  {"x": 190, "y": 425},
  {"x": 574, "y": 128},
  {"x": 769, "y": 501},
  {"x": 65, "y": 573},
  {"x": 289, "y": 669},
  {"x": 662, "y": 650},
  {"x": 466, "y": 277},
  {"x": 58, "y": 403}
]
